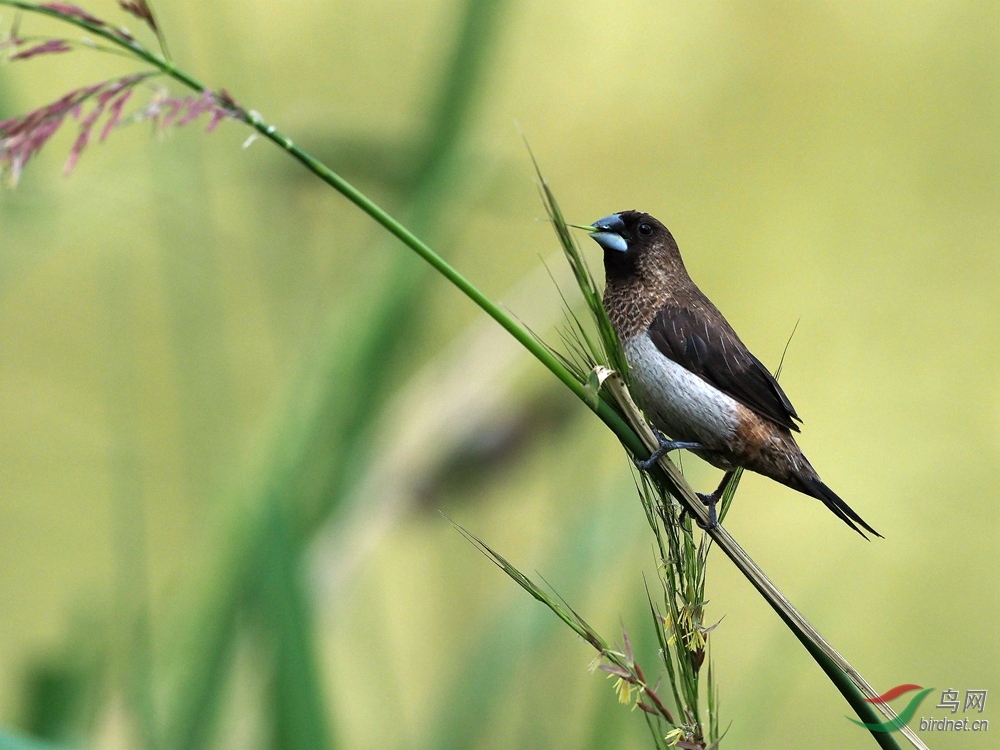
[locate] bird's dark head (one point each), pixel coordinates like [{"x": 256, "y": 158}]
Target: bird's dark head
[{"x": 634, "y": 243}]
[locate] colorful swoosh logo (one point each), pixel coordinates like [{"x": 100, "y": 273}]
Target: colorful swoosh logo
[{"x": 904, "y": 716}]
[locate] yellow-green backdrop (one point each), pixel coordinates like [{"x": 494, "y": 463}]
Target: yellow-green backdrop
[{"x": 172, "y": 313}]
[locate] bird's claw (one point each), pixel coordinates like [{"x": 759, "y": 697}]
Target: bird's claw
[
  {"x": 710, "y": 501},
  {"x": 665, "y": 446},
  {"x": 713, "y": 520}
]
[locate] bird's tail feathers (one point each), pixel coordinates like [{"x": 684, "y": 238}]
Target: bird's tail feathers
[{"x": 815, "y": 487}]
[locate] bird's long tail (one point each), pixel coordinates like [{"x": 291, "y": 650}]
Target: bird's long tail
[{"x": 814, "y": 486}]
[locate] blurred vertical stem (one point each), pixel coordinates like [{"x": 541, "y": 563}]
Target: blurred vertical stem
[
  {"x": 299, "y": 709},
  {"x": 380, "y": 345},
  {"x": 316, "y": 468}
]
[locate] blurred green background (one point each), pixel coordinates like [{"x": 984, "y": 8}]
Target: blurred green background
[{"x": 231, "y": 408}]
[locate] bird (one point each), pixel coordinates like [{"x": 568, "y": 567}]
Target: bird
[{"x": 698, "y": 383}]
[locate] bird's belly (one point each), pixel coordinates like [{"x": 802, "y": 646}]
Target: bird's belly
[{"x": 680, "y": 403}]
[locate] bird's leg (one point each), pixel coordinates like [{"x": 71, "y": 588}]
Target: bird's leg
[
  {"x": 664, "y": 448},
  {"x": 711, "y": 500}
]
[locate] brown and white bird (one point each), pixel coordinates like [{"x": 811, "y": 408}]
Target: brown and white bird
[{"x": 697, "y": 382}]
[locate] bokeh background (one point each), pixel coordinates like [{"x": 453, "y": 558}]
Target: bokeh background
[{"x": 232, "y": 409}]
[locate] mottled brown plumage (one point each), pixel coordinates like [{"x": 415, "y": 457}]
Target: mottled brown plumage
[{"x": 734, "y": 407}]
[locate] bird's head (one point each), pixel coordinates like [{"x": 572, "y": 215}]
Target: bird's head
[{"x": 634, "y": 243}]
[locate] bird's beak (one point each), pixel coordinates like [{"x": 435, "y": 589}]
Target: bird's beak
[{"x": 605, "y": 232}]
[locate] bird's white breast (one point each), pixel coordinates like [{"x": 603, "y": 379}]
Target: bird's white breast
[{"x": 680, "y": 403}]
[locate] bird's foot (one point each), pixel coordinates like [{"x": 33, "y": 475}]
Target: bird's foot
[
  {"x": 712, "y": 522},
  {"x": 665, "y": 446},
  {"x": 711, "y": 501}
]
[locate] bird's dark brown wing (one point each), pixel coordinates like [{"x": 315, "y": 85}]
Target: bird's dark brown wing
[{"x": 716, "y": 354}]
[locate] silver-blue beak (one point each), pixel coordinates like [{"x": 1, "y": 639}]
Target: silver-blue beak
[{"x": 606, "y": 233}]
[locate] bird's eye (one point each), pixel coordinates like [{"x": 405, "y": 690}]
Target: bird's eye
[{"x": 645, "y": 228}]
